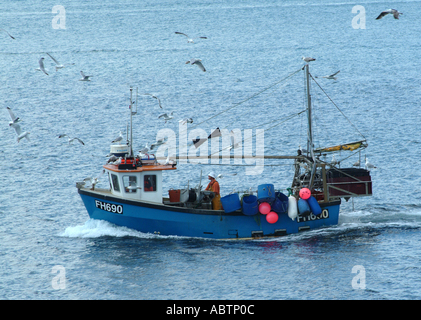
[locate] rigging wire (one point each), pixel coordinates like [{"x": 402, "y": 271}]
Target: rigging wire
[
  {"x": 359, "y": 150},
  {"x": 284, "y": 120},
  {"x": 317, "y": 122},
  {"x": 240, "y": 103},
  {"x": 247, "y": 99},
  {"x": 300, "y": 142},
  {"x": 337, "y": 107}
]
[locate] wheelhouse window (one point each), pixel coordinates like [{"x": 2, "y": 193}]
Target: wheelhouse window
[
  {"x": 149, "y": 183},
  {"x": 114, "y": 180},
  {"x": 130, "y": 184}
]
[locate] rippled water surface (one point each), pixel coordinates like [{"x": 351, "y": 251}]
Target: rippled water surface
[{"x": 251, "y": 45}]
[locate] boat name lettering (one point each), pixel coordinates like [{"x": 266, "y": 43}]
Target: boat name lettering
[
  {"x": 110, "y": 207},
  {"x": 311, "y": 216}
]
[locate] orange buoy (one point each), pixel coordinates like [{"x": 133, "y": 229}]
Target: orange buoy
[
  {"x": 272, "y": 217},
  {"x": 305, "y": 193},
  {"x": 264, "y": 208}
]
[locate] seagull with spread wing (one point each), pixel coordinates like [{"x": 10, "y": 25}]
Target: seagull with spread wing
[
  {"x": 16, "y": 126},
  {"x": 158, "y": 143},
  {"x": 155, "y": 97},
  {"x": 394, "y": 12},
  {"x": 15, "y": 119},
  {"x": 41, "y": 66},
  {"x": 58, "y": 64},
  {"x": 166, "y": 116},
  {"x": 84, "y": 77},
  {"x": 197, "y": 62},
  {"x": 186, "y": 120},
  {"x": 71, "y": 139},
  {"x": 8, "y": 34},
  {"x": 189, "y": 39},
  {"x": 332, "y": 76}
]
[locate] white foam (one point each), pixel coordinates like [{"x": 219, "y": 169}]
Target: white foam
[
  {"x": 99, "y": 228},
  {"x": 356, "y": 213}
]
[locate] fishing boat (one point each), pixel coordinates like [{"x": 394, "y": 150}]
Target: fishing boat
[{"x": 135, "y": 197}]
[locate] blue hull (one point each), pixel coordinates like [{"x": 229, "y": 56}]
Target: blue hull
[{"x": 168, "y": 220}]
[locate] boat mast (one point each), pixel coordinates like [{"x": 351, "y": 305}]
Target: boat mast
[
  {"x": 131, "y": 125},
  {"x": 310, "y": 130},
  {"x": 310, "y": 151}
]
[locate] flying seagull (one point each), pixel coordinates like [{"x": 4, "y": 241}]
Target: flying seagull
[
  {"x": 41, "y": 66},
  {"x": 197, "y": 62},
  {"x": 186, "y": 120},
  {"x": 158, "y": 143},
  {"x": 70, "y": 139},
  {"x": 395, "y": 13},
  {"x": 190, "y": 40},
  {"x": 84, "y": 78},
  {"x": 159, "y": 101},
  {"x": 308, "y": 59},
  {"x": 332, "y": 76},
  {"x": 8, "y": 34},
  {"x": 58, "y": 64},
  {"x": 166, "y": 116},
  {"x": 16, "y": 126},
  {"x": 15, "y": 119}
]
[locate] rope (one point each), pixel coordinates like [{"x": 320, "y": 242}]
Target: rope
[
  {"x": 269, "y": 191},
  {"x": 240, "y": 103},
  {"x": 247, "y": 99},
  {"x": 284, "y": 120},
  {"x": 337, "y": 107}
]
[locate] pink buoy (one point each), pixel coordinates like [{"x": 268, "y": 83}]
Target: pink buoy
[
  {"x": 264, "y": 208},
  {"x": 305, "y": 193},
  {"x": 272, "y": 217}
]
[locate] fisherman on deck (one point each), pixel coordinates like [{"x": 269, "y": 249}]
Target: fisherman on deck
[{"x": 214, "y": 187}]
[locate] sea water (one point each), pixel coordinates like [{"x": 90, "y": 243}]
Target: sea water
[{"x": 50, "y": 249}]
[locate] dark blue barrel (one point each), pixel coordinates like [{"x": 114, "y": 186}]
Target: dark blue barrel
[
  {"x": 231, "y": 202},
  {"x": 280, "y": 205},
  {"x": 314, "y": 206},
  {"x": 250, "y": 205},
  {"x": 266, "y": 193},
  {"x": 303, "y": 207}
]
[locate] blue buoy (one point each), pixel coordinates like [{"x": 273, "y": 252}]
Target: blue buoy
[
  {"x": 303, "y": 207},
  {"x": 266, "y": 193},
  {"x": 250, "y": 205},
  {"x": 314, "y": 206},
  {"x": 231, "y": 202},
  {"x": 280, "y": 205}
]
